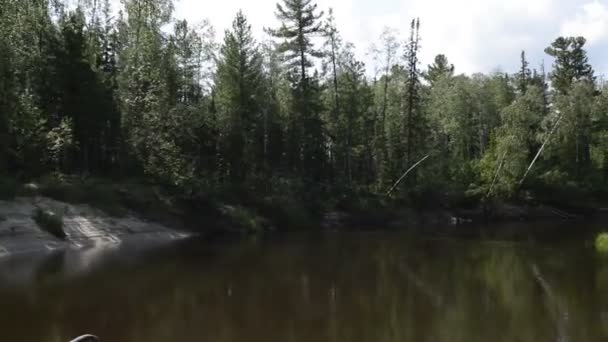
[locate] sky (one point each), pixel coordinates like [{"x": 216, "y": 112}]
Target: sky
[{"x": 475, "y": 35}]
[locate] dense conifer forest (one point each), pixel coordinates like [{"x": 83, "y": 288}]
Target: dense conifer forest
[{"x": 136, "y": 93}]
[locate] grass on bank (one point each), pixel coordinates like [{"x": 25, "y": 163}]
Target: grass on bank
[
  {"x": 117, "y": 198},
  {"x": 276, "y": 204},
  {"x": 100, "y": 194},
  {"x": 50, "y": 222}
]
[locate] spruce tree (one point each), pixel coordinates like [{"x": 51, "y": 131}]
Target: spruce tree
[
  {"x": 439, "y": 69},
  {"x": 413, "y": 118},
  {"x": 524, "y": 75},
  {"x": 300, "y": 22},
  {"x": 571, "y": 63},
  {"x": 238, "y": 89}
]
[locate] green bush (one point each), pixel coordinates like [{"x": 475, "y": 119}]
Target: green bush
[
  {"x": 98, "y": 194},
  {"x": 601, "y": 243},
  {"x": 286, "y": 213},
  {"x": 61, "y": 188},
  {"x": 105, "y": 197},
  {"x": 245, "y": 219},
  {"x": 8, "y": 188},
  {"x": 29, "y": 190},
  {"x": 50, "y": 222}
]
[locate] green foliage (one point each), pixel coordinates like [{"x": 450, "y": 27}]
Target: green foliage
[
  {"x": 601, "y": 243},
  {"x": 59, "y": 142},
  {"x": 571, "y": 63},
  {"x": 305, "y": 145},
  {"x": 8, "y": 188},
  {"x": 300, "y": 21},
  {"x": 27, "y": 132},
  {"x": 86, "y": 91},
  {"x": 97, "y": 193},
  {"x": 570, "y": 147},
  {"x": 239, "y": 99},
  {"x": 514, "y": 143},
  {"x": 50, "y": 222},
  {"x": 440, "y": 68},
  {"x": 244, "y": 219}
]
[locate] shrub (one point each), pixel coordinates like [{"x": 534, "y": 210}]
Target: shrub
[
  {"x": 601, "y": 243},
  {"x": 50, "y": 222},
  {"x": 30, "y": 190},
  {"x": 244, "y": 219},
  {"x": 285, "y": 213},
  {"x": 105, "y": 197},
  {"x": 61, "y": 188},
  {"x": 96, "y": 193},
  {"x": 8, "y": 188}
]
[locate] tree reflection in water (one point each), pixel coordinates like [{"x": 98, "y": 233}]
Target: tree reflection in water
[{"x": 333, "y": 287}]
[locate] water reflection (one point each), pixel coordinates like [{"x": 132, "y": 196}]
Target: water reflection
[{"x": 336, "y": 287}]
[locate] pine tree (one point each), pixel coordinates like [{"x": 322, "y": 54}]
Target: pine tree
[
  {"x": 276, "y": 107},
  {"x": 108, "y": 73},
  {"x": 386, "y": 56},
  {"x": 239, "y": 82},
  {"x": 571, "y": 63},
  {"x": 524, "y": 75},
  {"x": 355, "y": 125},
  {"x": 187, "y": 50},
  {"x": 7, "y": 96},
  {"x": 332, "y": 44},
  {"x": 300, "y": 22},
  {"x": 82, "y": 96},
  {"x": 573, "y": 82},
  {"x": 439, "y": 69},
  {"x": 413, "y": 118},
  {"x": 331, "y": 68},
  {"x": 141, "y": 86}
]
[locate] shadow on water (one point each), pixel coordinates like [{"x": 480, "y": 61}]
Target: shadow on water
[{"x": 357, "y": 286}]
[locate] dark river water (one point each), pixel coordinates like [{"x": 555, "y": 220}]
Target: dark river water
[{"x": 347, "y": 287}]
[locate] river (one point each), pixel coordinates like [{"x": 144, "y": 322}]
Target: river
[{"x": 334, "y": 286}]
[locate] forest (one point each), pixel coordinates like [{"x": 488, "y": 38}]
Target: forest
[{"x": 137, "y": 93}]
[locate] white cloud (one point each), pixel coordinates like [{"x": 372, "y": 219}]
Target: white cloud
[
  {"x": 591, "y": 22},
  {"x": 476, "y": 35}
]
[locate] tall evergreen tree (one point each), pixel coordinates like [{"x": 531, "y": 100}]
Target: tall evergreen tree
[
  {"x": 355, "y": 126},
  {"x": 573, "y": 82},
  {"x": 277, "y": 105},
  {"x": 82, "y": 93},
  {"x": 7, "y": 95},
  {"x": 524, "y": 75},
  {"x": 142, "y": 88},
  {"x": 331, "y": 68},
  {"x": 238, "y": 89},
  {"x": 300, "y": 21},
  {"x": 386, "y": 55},
  {"x": 333, "y": 46},
  {"x": 571, "y": 63},
  {"x": 413, "y": 117},
  {"x": 440, "y": 68}
]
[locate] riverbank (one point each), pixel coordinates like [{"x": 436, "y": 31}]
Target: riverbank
[
  {"x": 83, "y": 228},
  {"x": 98, "y": 211}
]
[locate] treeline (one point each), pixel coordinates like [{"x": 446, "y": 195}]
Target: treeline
[{"x": 141, "y": 94}]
